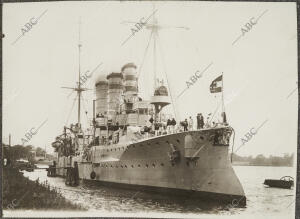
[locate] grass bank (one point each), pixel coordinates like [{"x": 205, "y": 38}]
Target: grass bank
[{"x": 22, "y": 193}]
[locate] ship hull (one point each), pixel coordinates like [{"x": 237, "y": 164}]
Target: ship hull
[
  {"x": 201, "y": 168},
  {"x": 148, "y": 191}
]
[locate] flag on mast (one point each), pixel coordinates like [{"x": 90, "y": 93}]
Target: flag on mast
[{"x": 216, "y": 85}]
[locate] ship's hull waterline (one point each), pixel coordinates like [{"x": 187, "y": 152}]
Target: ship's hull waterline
[{"x": 201, "y": 168}]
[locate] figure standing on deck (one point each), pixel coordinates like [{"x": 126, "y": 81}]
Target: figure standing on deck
[
  {"x": 173, "y": 124},
  {"x": 191, "y": 123},
  {"x": 185, "y": 125},
  {"x": 200, "y": 121}
]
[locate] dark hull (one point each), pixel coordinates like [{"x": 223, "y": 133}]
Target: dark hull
[{"x": 278, "y": 183}]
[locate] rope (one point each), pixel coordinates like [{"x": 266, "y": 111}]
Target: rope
[
  {"x": 214, "y": 112},
  {"x": 87, "y": 119},
  {"x": 145, "y": 54},
  {"x": 165, "y": 71},
  {"x": 232, "y": 144},
  {"x": 70, "y": 111},
  {"x": 70, "y": 94}
]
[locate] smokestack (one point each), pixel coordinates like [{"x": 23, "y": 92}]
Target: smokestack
[
  {"x": 101, "y": 96},
  {"x": 130, "y": 84},
  {"x": 115, "y": 89}
]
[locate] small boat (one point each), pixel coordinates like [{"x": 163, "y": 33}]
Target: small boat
[{"x": 285, "y": 182}]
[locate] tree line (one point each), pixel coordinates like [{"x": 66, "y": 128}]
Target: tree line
[
  {"x": 261, "y": 160},
  {"x": 17, "y": 152}
]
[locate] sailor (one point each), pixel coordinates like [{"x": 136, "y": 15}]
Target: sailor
[
  {"x": 168, "y": 125},
  {"x": 190, "y": 124},
  {"x": 185, "y": 125},
  {"x": 207, "y": 123},
  {"x": 173, "y": 124},
  {"x": 200, "y": 121},
  {"x": 214, "y": 124},
  {"x": 151, "y": 120},
  {"x": 223, "y": 114}
]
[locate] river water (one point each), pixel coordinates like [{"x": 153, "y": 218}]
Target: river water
[{"x": 262, "y": 202}]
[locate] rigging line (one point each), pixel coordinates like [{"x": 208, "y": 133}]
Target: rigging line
[
  {"x": 85, "y": 99},
  {"x": 85, "y": 108},
  {"x": 70, "y": 94},
  {"x": 165, "y": 71},
  {"x": 145, "y": 54},
  {"x": 71, "y": 111},
  {"x": 215, "y": 112}
]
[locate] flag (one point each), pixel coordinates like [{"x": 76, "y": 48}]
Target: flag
[{"x": 216, "y": 85}]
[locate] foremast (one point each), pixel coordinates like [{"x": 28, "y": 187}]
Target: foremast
[{"x": 65, "y": 140}]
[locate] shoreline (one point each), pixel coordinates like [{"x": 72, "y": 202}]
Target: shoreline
[{"x": 21, "y": 193}]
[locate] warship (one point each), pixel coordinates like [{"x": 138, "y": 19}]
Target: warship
[{"x": 130, "y": 145}]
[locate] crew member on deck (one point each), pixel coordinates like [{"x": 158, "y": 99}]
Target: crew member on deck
[
  {"x": 168, "y": 125},
  {"x": 173, "y": 124},
  {"x": 191, "y": 122},
  {"x": 224, "y": 118},
  {"x": 200, "y": 121},
  {"x": 185, "y": 125}
]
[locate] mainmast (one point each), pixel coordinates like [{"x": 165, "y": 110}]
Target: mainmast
[
  {"x": 154, "y": 34},
  {"x": 79, "y": 85},
  {"x": 154, "y": 27},
  {"x": 78, "y": 88}
]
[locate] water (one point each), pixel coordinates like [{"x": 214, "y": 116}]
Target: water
[{"x": 261, "y": 201}]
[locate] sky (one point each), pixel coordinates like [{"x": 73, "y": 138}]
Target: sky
[{"x": 259, "y": 64}]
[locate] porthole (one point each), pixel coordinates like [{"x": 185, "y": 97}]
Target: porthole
[
  {"x": 167, "y": 142},
  {"x": 173, "y": 164},
  {"x": 132, "y": 166},
  {"x": 139, "y": 165},
  {"x": 162, "y": 164},
  {"x": 157, "y": 142},
  {"x": 201, "y": 137},
  {"x": 111, "y": 166},
  {"x": 125, "y": 166},
  {"x": 153, "y": 165},
  {"x": 178, "y": 141},
  {"x": 110, "y": 149},
  {"x": 147, "y": 165}
]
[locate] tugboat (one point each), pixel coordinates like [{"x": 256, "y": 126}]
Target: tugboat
[
  {"x": 130, "y": 146},
  {"x": 285, "y": 182}
]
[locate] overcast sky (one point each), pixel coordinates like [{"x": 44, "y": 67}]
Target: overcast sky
[{"x": 260, "y": 68}]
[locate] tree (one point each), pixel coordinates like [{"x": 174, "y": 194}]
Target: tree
[{"x": 39, "y": 151}]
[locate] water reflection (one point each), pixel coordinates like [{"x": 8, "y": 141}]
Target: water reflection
[
  {"x": 260, "y": 199},
  {"x": 98, "y": 197}
]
